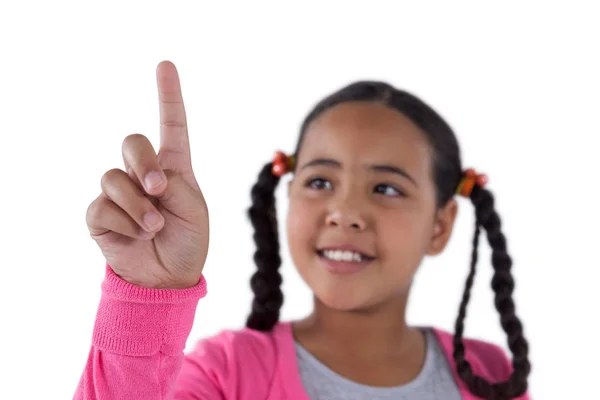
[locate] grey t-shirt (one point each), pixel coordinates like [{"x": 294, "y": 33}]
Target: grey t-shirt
[{"x": 434, "y": 382}]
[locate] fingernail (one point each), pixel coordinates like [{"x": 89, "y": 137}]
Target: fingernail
[
  {"x": 152, "y": 220},
  {"x": 153, "y": 179}
]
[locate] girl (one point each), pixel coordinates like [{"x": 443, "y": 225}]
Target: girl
[{"x": 375, "y": 174}]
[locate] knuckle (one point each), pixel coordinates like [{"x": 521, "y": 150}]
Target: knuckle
[
  {"x": 94, "y": 210},
  {"x": 110, "y": 177},
  {"x": 133, "y": 138},
  {"x": 171, "y": 123},
  {"x": 132, "y": 142}
]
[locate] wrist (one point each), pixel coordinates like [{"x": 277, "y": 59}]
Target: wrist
[{"x": 176, "y": 286}]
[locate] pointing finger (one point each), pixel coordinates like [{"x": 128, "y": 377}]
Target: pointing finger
[{"x": 174, "y": 137}]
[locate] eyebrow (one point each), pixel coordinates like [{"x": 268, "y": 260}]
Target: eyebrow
[{"x": 377, "y": 168}]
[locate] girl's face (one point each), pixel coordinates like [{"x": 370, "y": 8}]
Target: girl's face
[{"x": 362, "y": 210}]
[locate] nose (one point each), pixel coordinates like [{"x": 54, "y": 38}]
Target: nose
[{"x": 346, "y": 218}]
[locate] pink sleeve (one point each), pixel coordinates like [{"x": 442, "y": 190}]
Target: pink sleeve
[
  {"x": 240, "y": 364},
  {"x": 138, "y": 341}
]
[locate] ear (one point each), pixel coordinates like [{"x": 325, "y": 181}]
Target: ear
[{"x": 442, "y": 228}]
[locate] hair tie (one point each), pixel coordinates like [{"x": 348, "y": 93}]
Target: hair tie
[
  {"x": 282, "y": 164},
  {"x": 468, "y": 181}
]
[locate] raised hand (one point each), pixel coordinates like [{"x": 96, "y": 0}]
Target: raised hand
[{"x": 151, "y": 220}]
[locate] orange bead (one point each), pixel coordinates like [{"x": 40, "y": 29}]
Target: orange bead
[
  {"x": 467, "y": 187},
  {"x": 469, "y": 180},
  {"x": 279, "y": 156},
  {"x": 278, "y": 169},
  {"x": 482, "y": 180}
]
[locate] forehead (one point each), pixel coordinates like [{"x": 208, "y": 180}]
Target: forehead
[{"x": 366, "y": 130}]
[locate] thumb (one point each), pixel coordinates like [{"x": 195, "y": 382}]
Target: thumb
[{"x": 182, "y": 199}]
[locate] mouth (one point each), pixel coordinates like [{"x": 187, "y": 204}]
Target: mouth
[
  {"x": 344, "y": 260},
  {"x": 344, "y": 255}
]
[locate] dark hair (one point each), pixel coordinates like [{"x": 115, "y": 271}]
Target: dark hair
[{"x": 447, "y": 171}]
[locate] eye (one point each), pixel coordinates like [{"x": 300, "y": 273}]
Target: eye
[
  {"x": 319, "y": 184},
  {"x": 388, "y": 190}
]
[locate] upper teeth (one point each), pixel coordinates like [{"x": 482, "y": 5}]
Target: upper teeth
[{"x": 340, "y": 255}]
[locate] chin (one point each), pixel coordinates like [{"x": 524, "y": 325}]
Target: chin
[
  {"x": 338, "y": 304},
  {"x": 345, "y": 296},
  {"x": 341, "y": 290}
]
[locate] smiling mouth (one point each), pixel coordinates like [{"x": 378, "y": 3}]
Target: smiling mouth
[{"x": 344, "y": 255}]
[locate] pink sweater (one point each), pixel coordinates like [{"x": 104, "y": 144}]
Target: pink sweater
[{"x": 140, "y": 335}]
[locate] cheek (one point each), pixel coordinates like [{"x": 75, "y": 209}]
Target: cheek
[
  {"x": 302, "y": 225},
  {"x": 404, "y": 237}
]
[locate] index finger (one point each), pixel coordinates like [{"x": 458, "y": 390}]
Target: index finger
[{"x": 173, "y": 125}]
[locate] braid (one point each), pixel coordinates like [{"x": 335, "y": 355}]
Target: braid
[
  {"x": 503, "y": 285},
  {"x": 266, "y": 281}
]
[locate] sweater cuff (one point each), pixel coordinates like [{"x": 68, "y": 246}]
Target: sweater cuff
[{"x": 138, "y": 321}]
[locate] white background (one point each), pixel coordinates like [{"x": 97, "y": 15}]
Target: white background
[{"x": 518, "y": 82}]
